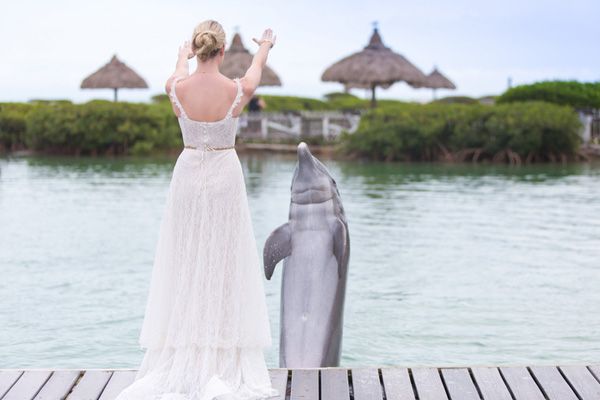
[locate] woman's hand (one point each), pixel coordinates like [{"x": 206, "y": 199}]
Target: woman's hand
[
  {"x": 181, "y": 67},
  {"x": 185, "y": 51},
  {"x": 267, "y": 36}
]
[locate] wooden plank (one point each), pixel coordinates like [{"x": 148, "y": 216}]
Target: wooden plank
[
  {"x": 305, "y": 384},
  {"x": 8, "y": 379},
  {"x": 428, "y": 383},
  {"x": 553, "y": 384},
  {"x": 334, "y": 384},
  {"x": 117, "y": 382},
  {"x": 490, "y": 383},
  {"x": 582, "y": 380},
  {"x": 459, "y": 384},
  {"x": 91, "y": 385},
  {"x": 28, "y": 385},
  {"x": 365, "y": 384},
  {"x": 279, "y": 380},
  {"x": 534, "y": 383},
  {"x": 521, "y": 383},
  {"x": 59, "y": 385},
  {"x": 396, "y": 383},
  {"x": 595, "y": 369}
]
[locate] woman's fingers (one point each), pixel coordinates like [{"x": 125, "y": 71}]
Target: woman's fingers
[
  {"x": 266, "y": 36},
  {"x": 186, "y": 50}
]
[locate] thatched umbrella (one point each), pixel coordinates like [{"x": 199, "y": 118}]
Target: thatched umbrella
[
  {"x": 237, "y": 61},
  {"x": 435, "y": 80},
  {"x": 375, "y": 65},
  {"x": 114, "y": 75}
]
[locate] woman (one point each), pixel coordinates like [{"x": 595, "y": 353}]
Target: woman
[{"x": 206, "y": 323}]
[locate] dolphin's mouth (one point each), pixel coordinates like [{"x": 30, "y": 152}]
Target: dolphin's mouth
[{"x": 311, "y": 196}]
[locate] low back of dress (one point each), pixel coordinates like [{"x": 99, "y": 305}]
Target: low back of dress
[{"x": 208, "y": 135}]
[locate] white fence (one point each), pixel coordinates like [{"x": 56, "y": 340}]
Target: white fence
[{"x": 296, "y": 125}]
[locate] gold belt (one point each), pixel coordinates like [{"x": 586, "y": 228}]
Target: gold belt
[{"x": 207, "y": 147}]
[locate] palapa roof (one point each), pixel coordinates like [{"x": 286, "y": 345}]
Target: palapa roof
[
  {"x": 237, "y": 61},
  {"x": 114, "y": 75},
  {"x": 435, "y": 80},
  {"x": 376, "y": 64}
]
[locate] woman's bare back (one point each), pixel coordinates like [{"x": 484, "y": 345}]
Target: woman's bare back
[{"x": 207, "y": 97}]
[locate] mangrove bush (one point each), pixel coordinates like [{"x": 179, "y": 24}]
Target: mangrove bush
[
  {"x": 515, "y": 133},
  {"x": 579, "y": 95}
]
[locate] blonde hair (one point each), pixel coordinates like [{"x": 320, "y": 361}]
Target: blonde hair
[{"x": 207, "y": 39}]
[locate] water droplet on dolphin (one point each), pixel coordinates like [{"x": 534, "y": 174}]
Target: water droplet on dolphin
[{"x": 304, "y": 316}]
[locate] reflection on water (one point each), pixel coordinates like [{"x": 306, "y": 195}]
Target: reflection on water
[{"x": 450, "y": 264}]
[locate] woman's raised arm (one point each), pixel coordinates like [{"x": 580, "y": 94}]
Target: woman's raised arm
[
  {"x": 181, "y": 67},
  {"x": 253, "y": 74}
]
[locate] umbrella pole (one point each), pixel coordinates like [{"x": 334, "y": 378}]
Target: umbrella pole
[
  {"x": 373, "y": 101},
  {"x": 115, "y": 97}
]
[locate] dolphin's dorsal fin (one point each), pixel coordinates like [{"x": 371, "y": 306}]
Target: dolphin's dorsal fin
[
  {"x": 277, "y": 247},
  {"x": 341, "y": 249}
]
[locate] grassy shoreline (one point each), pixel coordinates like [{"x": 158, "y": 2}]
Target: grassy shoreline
[{"x": 447, "y": 130}]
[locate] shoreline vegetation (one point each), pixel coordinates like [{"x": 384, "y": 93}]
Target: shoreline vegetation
[{"x": 527, "y": 124}]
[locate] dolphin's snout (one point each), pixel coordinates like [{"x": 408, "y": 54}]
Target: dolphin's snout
[
  {"x": 302, "y": 146},
  {"x": 303, "y": 151},
  {"x": 305, "y": 158}
]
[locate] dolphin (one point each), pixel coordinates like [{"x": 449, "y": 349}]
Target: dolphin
[{"x": 315, "y": 248}]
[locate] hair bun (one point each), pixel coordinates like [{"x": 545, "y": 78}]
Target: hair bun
[{"x": 208, "y": 39}]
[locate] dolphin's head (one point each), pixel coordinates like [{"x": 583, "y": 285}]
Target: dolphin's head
[{"x": 312, "y": 183}]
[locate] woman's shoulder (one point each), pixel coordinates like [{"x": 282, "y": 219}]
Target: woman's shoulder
[{"x": 173, "y": 79}]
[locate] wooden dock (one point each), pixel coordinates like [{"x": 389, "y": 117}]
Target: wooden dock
[{"x": 566, "y": 382}]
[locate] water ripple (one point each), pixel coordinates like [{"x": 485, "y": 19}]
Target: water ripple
[{"x": 450, "y": 265}]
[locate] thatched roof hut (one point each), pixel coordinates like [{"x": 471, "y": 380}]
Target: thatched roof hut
[
  {"x": 375, "y": 65},
  {"x": 435, "y": 80},
  {"x": 237, "y": 61},
  {"x": 114, "y": 75}
]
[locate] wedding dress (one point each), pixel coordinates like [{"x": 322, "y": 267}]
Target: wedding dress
[{"x": 206, "y": 322}]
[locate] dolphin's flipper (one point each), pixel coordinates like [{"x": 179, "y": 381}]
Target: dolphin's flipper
[
  {"x": 277, "y": 247},
  {"x": 340, "y": 245}
]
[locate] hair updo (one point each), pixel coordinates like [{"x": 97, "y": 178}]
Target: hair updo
[{"x": 207, "y": 40}]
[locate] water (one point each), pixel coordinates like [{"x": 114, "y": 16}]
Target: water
[{"x": 450, "y": 265}]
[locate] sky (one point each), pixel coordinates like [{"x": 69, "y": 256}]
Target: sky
[{"x": 48, "y": 47}]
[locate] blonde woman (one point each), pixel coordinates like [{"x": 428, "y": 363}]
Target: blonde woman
[{"x": 206, "y": 323}]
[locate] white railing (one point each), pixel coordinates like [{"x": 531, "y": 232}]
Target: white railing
[{"x": 329, "y": 125}]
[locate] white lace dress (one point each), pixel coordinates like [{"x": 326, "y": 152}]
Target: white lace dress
[{"x": 206, "y": 322}]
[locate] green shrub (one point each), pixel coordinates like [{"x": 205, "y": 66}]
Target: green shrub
[
  {"x": 456, "y": 100},
  {"x": 100, "y": 127},
  {"x": 12, "y": 125},
  {"x": 332, "y": 102},
  {"x": 291, "y": 103},
  {"x": 579, "y": 95},
  {"x": 142, "y": 148},
  {"x": 50, "y": 101},
  {"x": 348, "y": 103},
  {"x": 160, "y": 98},
  {"x": 339, "y": 95},
  {"x": 513, "y": 132}
]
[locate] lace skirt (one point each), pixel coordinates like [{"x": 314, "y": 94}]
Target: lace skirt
[{"x": 206, "y": 322}]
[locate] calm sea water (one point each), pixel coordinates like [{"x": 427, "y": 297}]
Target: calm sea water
[{"x": 450, "y": 265}]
